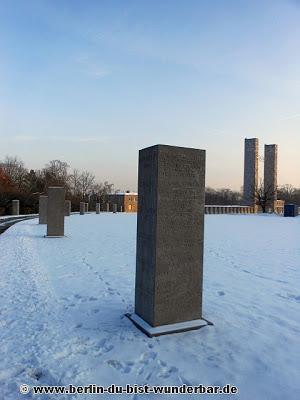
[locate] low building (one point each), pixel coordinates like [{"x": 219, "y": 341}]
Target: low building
[
  {"x": 125, "y": 201},
  {"x": 279, "y": 206}
]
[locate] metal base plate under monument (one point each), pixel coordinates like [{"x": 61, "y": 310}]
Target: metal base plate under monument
[
  {"x": 152, "y": 331},
  {"x": 46, "y": 236}
]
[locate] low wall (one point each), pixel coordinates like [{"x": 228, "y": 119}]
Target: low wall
[{"x": 229, "y": 210}]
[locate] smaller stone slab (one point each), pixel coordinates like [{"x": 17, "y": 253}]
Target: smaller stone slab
[
  {"x": 68, "y": 207},
  {"x": 82, "y": 208},
  {"x": 43, "y": 204},
  {"x": 97, "y": 208},
  {"x": 167, "y": 329},
  {"x": 15, "y": 207}
]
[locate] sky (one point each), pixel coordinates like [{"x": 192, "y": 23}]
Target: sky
[{"x": 92, "y": 82}]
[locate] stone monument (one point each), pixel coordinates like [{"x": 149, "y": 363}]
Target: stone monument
[
  {"x": 270, "y": 174},
  {"x": 68, "y": 207},
  {"x": 115, "y": 208},
  {"x": 82, "y": 208},
  {"x": 250, "y": 170},
  {"x": 15, "y": 207},
  {"x": 56, "y": 211},
  {"x": 169, "y": 259},
  {"x": 43, "y": 200},
  {"x": 86, "y": 207},
  {"x": 97, "y": 208}
]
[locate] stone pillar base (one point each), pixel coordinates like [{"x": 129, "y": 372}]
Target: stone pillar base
[
  {"x": 46, "y": 236},
  {"x": 152, "y": 331}
]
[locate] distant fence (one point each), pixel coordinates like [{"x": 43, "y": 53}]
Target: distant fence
[{"x": 229, "y": 210}]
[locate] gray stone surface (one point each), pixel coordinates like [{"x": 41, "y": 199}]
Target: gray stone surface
[
  {"x": 169, "y": 261},
  {"x": 115, "y": 208},
  {"x": 56, "y": 212},
  {"x": 43, "y": 201},
  {"x": 68, "y": 207},
  {"x": 107, "y": 207},
  {"x": 250, "y": 170},
  {"x": 97, "y": 208},
  {"x": 270, "y": 173},
  {"x": 86, "y": 207},
  {"x": 82, "y": 208},
  {"x": 15, "y": 207}
]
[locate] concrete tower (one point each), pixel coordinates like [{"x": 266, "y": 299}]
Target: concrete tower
[
  {"x": 250, "y": 171},
  {"x": 270, "y": 174}
]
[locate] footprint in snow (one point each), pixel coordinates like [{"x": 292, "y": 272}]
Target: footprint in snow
[
  {"x": 294, "y": 297},
  {"x": 166, "y": 372},
  {"x": 147, "y": 357},
  {"x": 125, "y": 367},
  {"x": 289, "y": 296},
  {"x": 104, "y": 346},
  {"x": 221, "y": 293}
]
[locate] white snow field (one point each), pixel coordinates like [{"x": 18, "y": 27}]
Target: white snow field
[{"x": 63, "y": 302}]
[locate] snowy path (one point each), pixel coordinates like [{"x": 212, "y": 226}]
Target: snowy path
[
  {"x": 7, "y": 221},
  {"x": 63, "y": 303}
]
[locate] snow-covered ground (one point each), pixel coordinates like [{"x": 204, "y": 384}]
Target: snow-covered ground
[{"x": 63, "y": 302}]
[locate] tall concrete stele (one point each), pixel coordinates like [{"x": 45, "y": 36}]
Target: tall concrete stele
[
  {"x": 82, "y": 208},
  {"x": 43, "y": 204},
  {"x": 270, "y": 173},
  {"x": 250, "y": 171},
  {"x": 15, "y": 207},
  {"x": 56, "y": 212},
  {"x": 169, "y": 259},
  {"x": 68, "y": 208}
]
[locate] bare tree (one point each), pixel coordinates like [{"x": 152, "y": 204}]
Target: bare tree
[
  {"x": 263, "y": 195},
  {"x": 289, "y": 194},
  {"x": 100, "y": 190},
  {"x": 75, "y": 185},
  {"x": 222, "y": 196},
  {"x": 86, "y": 181},
  {"x": 15, "y": 170},
  {"x": 56, "y": 173},
  {"x": 36, "y": 182}
]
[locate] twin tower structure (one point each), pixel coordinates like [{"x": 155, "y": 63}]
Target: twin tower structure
[{"x": 251, "y": 184}]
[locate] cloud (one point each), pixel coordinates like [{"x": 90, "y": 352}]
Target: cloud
[
  {"x": 289, "y": 117},
  {"x": 97, "y": 72},
  {"x": 66, "y": 139},
  {"x": 92, "y": 68}
]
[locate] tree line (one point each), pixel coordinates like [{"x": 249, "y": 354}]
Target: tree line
[
  {"x": 262, "y": 195},
  {"x": 17, "y": 182}
]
